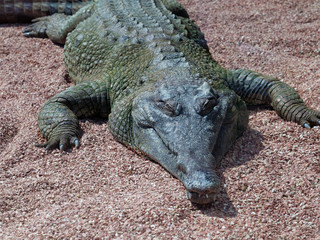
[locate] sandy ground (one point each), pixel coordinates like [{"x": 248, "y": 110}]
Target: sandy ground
[{"x": 103, "y": 190}]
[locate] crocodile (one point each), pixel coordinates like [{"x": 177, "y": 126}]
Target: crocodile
[{"x": 146, "y": 67}]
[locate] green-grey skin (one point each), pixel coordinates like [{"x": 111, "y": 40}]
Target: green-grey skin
[
  {"x": 146, "y": 67},
  {"x": 12, "y": 11}
]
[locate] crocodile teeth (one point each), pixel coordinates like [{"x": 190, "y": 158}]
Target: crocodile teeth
[
  {"x": 201, "y": 198},
  {"x": 189, "y": 195}
]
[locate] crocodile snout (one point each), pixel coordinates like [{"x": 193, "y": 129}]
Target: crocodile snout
[
  {"x": 202, "y": 186},
  {"x": 200, "y": 179}
]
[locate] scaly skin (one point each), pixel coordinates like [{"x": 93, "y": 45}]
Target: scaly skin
[
  {"x": 24, "y": 11},
  {"x": 146, "y": 66}
]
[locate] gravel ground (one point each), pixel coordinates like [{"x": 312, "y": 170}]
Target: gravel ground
[{"x": 102, "y": 189}]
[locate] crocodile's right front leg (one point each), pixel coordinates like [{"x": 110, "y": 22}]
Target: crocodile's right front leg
[{"x": 58, "y": 119}]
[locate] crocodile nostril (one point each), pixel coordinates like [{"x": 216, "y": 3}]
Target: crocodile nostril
[{"x": 182, "y": 168}]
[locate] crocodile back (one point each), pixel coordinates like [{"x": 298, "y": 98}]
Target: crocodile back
[{"x": 26, "y": 10}]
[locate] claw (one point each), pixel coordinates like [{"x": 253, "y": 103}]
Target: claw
[
  {"x": 37, "y": 29},
  {"x": 48, "y": 147},
  {"x": 62, "y": 147},
  {"x": 76, "y": 143},
  {"x": 64, "y": 144},
  {"x": 28, "y": 29},
  {"x": 307, "y": 125},
  {"x": 29, "y": 32}
]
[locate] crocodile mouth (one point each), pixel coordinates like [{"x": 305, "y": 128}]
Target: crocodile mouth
[
  {"x": 194, "y": 197},
  {"x": 199, "y": 198}
]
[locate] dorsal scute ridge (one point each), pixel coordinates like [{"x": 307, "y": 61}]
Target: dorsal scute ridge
[
  {"x": 141, "y": 21},
  {"x": 137, "y": 14}
]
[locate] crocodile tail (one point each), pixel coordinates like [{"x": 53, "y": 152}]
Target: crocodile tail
[{"x": 25, "y": 10}]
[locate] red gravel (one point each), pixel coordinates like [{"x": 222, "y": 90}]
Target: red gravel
[{"x": 271, "y": 175}]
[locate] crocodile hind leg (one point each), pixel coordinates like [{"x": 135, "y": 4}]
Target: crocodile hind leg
[
  {"x": 255, "y": 88},
  {"x": 57, "y": 26},
  {"x": 58, "y": 118}
]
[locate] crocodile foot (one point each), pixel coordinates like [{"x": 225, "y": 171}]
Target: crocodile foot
[
  {"x": 38, "y": 28},
  {"x": 52, "y": 27},
  {"x": 309, "y": 118},
  {"x": 63, "y": 142}
]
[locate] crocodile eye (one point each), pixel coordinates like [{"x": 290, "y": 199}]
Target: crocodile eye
[
  {"x": 169, "y": 107},
  {"x": 204, "y": 106}
]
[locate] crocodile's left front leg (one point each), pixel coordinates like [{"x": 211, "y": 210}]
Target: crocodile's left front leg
[
  {"x": 255, "y": 88},
  {"x": 58, "y": 119},
  {"x": 57, "y": 26}
]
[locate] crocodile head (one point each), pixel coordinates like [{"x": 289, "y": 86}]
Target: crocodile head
[{"x": 187, "y": 129}]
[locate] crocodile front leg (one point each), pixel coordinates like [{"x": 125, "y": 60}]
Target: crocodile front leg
[
  {"x": 255, "y": 88},
  {"x": 58, "y": 119},
  {"x": 57, "y": 26}
]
